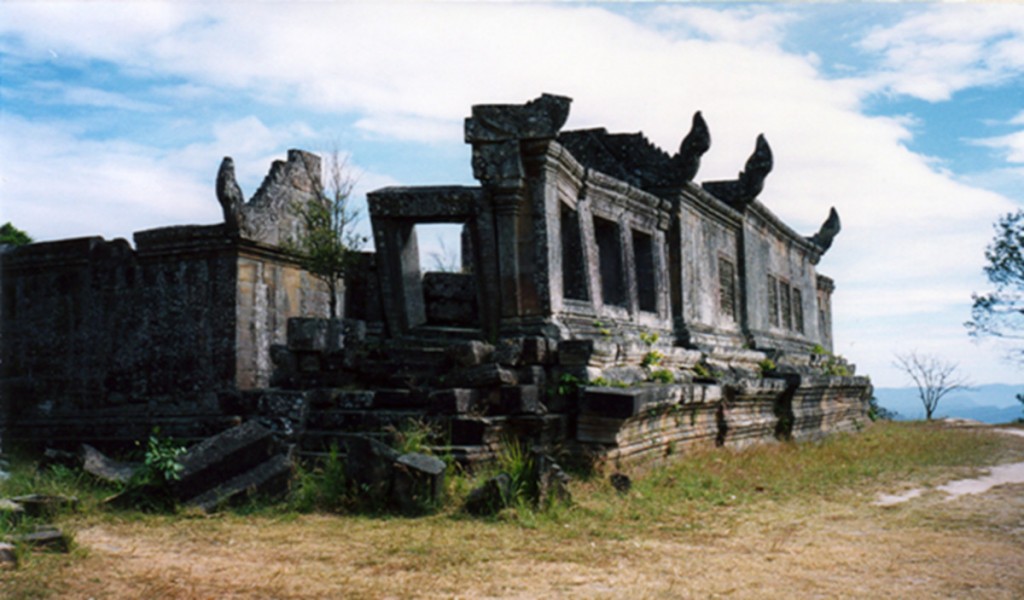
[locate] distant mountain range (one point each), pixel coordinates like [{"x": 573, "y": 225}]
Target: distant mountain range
[{"x": 993, "y": 403}]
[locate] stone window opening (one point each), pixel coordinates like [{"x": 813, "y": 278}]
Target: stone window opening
[
  {"x": 727, "y": 287},
  {"x": 785, "y": 305},
  {"x": 574, "y": 273},
  {"x": 773, "y": 301},
  {"x": 609, "y": 252},
  {"x": 798, "y": 310},
  {"x": 643, "y": 259}
]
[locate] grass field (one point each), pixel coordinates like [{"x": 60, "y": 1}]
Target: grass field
[{"x": 780, "y": 521}]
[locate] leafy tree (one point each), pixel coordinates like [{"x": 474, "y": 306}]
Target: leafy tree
[
  {"x": 1000, "y": 313},
  {"x": 9, "y": 234},
  {"x": 933, "y": 377},
  {"x": 328, "y": 244}
]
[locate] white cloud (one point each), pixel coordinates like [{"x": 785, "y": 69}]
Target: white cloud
[
  {"x": 1012, "y": 145},
  {"x": 947, "y": 48}
]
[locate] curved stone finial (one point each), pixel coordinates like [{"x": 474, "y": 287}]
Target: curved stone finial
[
  {"x": 740, "y": 192},
  {"x": 694, "y": 145},
  {"x": 757, "y": 168},
  {"x": 229, "y": 195},
  {"x": 540, "y": 118},
  {"x": 828, "y": 231}
]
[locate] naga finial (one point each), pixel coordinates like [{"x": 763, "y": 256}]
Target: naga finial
[
  {"x": 828, "y": 231},
  {"x": 693, "y": 146},
  {"x": 229, "y": 195}
]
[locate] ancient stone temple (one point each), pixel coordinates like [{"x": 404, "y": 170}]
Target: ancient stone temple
[{"x": 608, "y": 305}]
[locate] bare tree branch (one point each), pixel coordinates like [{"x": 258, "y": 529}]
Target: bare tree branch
[{"x": 934, "y": 378}]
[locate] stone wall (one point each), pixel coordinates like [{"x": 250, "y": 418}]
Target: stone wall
[{"x": 102, "y": 341}]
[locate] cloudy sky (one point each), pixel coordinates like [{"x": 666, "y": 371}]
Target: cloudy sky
[{"x": 908, "y": 118}]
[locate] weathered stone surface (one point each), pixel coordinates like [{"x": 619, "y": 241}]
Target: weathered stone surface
[
  {"x": 418, "y": 482},
  {"x": 46, "y": 537},
  {"x": 459, "y": 401},
  {"x": 509, "y": 352},
  {"x": 45, "y": 505},
  {"x": 270, "y": 216},
  {"x": 743, "y": 190},
  {"x": 491, "y": 497},
  {"x": 581, "y": 353},
  {"x": 99, "y": 465},
  {"x": 552, "y": 481},
  {"x": 268, "y": 480},
  {"x": 450, "y": 299},
  {"x": 470, "y": 354},
  {"x": 284, "y": 412},
  {"x": 621, "y": 482},
  {"x": 223, "y": 456},
  {"x": 11, "y": 511},
  {"x": 8, "y": 555},
  {"x": 485, "y": 375},
  {"x": 370, "y": 466},
  {"x": 522, "y": 399}
]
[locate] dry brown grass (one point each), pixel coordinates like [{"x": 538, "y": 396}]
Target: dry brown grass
[{"x": 800, "y": 546}]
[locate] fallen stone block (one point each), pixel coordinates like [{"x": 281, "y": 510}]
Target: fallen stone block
[
  {"x": 369, "y": 466},
  {"x": 491, "y": 497},
  {"x": 621, "y": 482},
  {"x": 552, "y": 481},
  {"x": 269, "y": 479},
  {"x": 99, "y": 465},
  {"x": 45, "y": 505},
  {"x": 10, "y": 511},
  {"x": 8, "y": 556},
  {"x": 46, "y": 537},
  {"x": 223, "y": 456},
  {"x": 418, "y": 482}
]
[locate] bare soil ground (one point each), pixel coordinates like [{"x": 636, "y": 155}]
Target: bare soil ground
[
  {"x": 972, "y": 547},
  {"x": 812, "y": 546}
]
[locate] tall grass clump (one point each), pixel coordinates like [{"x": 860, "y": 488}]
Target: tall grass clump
[{"x": 322, "y": 487}]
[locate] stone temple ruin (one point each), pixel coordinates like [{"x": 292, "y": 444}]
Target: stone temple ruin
[{"x": 608, "y": 306}]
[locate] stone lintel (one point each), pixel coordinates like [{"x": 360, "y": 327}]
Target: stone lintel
[{"x": 425, "y": 204}]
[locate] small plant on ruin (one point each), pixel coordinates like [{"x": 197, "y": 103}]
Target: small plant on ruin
[
  {"x": 766, "y": 366},
  {"x": 663, "y": 376},
  {"x": 701, "y": 371},
  {"x": 653, "y": 358},
  {"x": 150, "y": 486},
  {"x": 568, "y": 384},
  {"x": 415, "y": 435},
  {"x": 649, "y": 338},
  {"x": 160, "y": 464}
]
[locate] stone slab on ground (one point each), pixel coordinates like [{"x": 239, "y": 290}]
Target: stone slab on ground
[
  {"x": 101, "y": 466},
  {"x": 418, "y": 482},
  {"x": 267, "y": 479},
  {"x": 223, "y": 456},
  {"x": 8, "y": 556},
  {"x": 369, "y": 465},
  {"x": 46, "y": 537}
]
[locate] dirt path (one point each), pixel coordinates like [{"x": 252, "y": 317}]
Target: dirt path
[{"x": 998, "y": 475}]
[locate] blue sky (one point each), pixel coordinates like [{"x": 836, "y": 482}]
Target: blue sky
[{"x": 908, "y": 118}]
